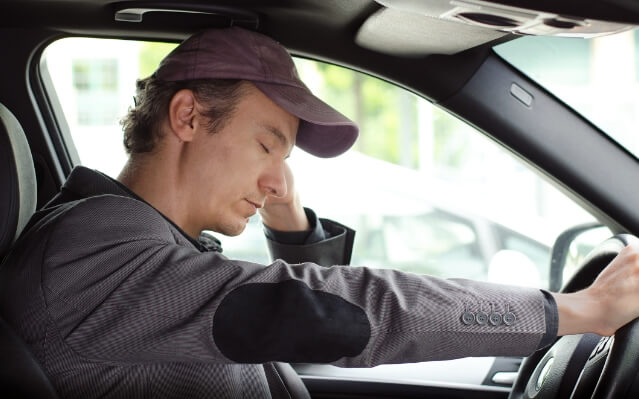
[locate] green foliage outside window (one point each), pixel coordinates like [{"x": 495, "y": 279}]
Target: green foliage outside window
[{"x": 151, "y": 54}]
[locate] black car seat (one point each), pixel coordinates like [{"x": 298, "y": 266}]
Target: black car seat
[{"x": 20, "y": 374}]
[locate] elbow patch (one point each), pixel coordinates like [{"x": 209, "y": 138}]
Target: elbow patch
[{"x": 290, "y": 322}]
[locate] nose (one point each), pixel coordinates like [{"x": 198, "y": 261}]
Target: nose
[{"x": 273, "y": 181}]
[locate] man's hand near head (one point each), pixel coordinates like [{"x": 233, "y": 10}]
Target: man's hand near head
[{"x": 285, "y": 213}]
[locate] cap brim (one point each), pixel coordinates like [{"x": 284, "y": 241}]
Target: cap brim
[{"x": 323, "y": 131}]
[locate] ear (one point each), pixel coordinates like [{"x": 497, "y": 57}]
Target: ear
[{"x": 182, "y": 114}]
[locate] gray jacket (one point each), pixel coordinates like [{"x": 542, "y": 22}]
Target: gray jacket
[{"x": 116, "y": 301}]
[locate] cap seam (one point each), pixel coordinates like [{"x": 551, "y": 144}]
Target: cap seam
[{"x": 265, "y": 70}]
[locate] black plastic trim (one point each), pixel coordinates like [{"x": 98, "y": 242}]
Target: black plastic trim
[{"x": 47, "y": 115}]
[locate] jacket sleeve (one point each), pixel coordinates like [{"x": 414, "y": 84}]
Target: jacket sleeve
[
  {"x": 121, "y": 287},
  {"x": 335, "y": 249}
]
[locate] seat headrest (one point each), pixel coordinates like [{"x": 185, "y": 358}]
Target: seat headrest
[{"x": 17, "y": 179}]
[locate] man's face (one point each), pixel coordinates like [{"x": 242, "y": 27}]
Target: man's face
[{"x": 230, "y": 173}]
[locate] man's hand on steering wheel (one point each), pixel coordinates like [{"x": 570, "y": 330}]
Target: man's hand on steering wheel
[
  {"x": 608, "y": 303},
  {"x": 583, "y": 365}
]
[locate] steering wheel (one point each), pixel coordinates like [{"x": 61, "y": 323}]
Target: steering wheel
[{"x": 585, "y": 365}]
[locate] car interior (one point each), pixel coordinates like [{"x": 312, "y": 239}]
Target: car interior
[{"x": 442, "y": 51}]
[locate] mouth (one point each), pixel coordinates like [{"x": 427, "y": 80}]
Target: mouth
[{"x": 254, "y": 204}]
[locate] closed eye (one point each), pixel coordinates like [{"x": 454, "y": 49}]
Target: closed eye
[{"x": 265, "y": 149}]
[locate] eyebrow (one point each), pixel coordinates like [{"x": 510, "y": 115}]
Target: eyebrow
[{"x": 280, "y": 136}]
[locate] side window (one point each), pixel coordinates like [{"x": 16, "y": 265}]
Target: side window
[
  {"x": 425, "y": 192},
  {"x": 448, "y": 242}
]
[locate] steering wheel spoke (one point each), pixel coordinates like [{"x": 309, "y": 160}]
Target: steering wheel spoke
[{"x": 618, "y": 378}]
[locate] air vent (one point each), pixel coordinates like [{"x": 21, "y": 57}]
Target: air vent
[
  {"x": 558, "y": 23},
  {"x": 490, "y": 20}
]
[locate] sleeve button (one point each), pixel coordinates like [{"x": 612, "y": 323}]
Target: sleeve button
[
  {"x": 509, "y": 319},
  {"x": 482, "y": 318},
  {"x": 468, "y": 318},
  {"x": 495, "y": 319}
]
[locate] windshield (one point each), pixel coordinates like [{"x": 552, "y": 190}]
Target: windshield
[{"x": 598, "y": 77}]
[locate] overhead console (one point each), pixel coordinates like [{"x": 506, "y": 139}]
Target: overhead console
[
  {"x": 452, "y": 26},
  {"x": 508, "y": 18}
]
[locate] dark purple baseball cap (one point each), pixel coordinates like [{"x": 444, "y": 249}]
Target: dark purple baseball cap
[{"x": 236, "y": 53}]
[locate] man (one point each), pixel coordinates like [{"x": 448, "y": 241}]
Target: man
[{"x": 123, "y": 301}]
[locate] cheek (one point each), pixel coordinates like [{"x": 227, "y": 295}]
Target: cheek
[
  {"x": 231, "y": 172},
  {"x": 229, "y": 181},
  {"x": 242, "y": 167}
]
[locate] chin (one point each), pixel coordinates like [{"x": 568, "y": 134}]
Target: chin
[{"x": 232, "y": 230}]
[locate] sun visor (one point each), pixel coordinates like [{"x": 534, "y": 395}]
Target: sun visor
[
  {"x": 410, "y": 34},
  {"x": 508, "y": 19}
]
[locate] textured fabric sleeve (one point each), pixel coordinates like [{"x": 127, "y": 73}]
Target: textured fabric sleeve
[
  {"x": 119, "y": 287},
  {"x": 552, "y": 320},
  {"x": 329, "y": 243}
]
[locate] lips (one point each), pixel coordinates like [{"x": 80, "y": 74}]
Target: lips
[{"x": 255, "y": 205}]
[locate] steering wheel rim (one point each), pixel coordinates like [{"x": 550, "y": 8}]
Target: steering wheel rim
[
  {"x": 604, "y": 365},
  {"x": 620, "y": 369}
]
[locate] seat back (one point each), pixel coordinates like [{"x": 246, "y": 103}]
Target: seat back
[
  {"x": 17, "y": 179},
  {"x": 20, "y": 374}
]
